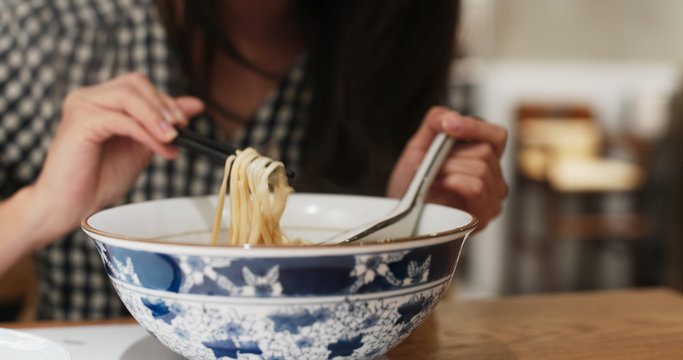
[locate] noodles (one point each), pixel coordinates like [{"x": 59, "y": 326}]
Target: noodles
[
  {"x": 254, "y": 213},
  {"x": 221, "y": 201}
]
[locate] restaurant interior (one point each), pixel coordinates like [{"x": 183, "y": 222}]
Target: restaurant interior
[{"x": 590, "y": 94}]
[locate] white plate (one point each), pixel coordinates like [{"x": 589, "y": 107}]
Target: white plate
[{"x": 17, "y": 345}]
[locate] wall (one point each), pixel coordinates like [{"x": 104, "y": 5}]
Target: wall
[{"x": 637, "y": 30}]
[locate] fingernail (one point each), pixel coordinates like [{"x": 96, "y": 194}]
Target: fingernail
[
  {"x": 451, "y": 124},
  {"x": 167, "y": 130},
  {"x": 168, "y": 116},
  {"x": 180, "y": 117}
]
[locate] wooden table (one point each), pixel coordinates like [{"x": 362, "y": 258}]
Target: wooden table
[
  {"x": 636, "y": 324},
  {"x": 633, "y": 324}
]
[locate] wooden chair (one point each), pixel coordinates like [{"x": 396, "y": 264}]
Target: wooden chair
[
  {"x": 572, "y": 207},
  {"x": 18, "y": 292}
]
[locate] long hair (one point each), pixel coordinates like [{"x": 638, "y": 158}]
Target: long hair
[{"x": 376, "y": 66}]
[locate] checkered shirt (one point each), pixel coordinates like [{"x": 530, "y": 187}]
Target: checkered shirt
[{"x": 50, "y": 47}]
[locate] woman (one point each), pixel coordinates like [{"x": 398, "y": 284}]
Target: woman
[{"x": 343, "y": 92}]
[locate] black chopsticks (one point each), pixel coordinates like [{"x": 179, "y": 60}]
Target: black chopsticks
[{"x": 217, "y": 151}]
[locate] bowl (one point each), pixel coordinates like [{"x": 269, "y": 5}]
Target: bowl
[{"x": 353, "y": 301}]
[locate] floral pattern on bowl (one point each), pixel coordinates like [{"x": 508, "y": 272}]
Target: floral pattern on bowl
[
  {"x": 349, "y": 328},
  {"x": 275, "y": 276}
]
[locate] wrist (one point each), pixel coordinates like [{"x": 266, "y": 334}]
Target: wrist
[
  {"x": 25, "y": 221},
  {"x": 17, "y": 228}
]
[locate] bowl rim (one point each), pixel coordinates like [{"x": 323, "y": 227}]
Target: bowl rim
[{"x": 466, "y": 229}]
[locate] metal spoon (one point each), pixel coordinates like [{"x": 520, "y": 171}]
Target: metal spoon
[{"x": 403, "y": 218}]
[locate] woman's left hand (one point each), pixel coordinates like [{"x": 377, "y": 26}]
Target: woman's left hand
[{"x": 471, "y": 178}]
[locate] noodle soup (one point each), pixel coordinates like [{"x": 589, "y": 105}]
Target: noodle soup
[{"x": 264, "y": 301}]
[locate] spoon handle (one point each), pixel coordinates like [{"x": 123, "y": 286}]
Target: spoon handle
[
  {"x": 403, "y": 218},
  {"x": 414, "y": 197}
]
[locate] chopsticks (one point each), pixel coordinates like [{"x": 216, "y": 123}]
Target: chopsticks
[{"x": 215, "y": 150}]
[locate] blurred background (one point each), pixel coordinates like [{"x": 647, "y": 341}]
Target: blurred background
[{"x": 589, "y": 91}]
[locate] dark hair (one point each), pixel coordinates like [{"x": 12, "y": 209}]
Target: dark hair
[{"x": 376, "y": 68}]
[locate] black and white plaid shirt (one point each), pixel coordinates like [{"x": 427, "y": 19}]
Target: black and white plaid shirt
[{"x": 50, "y": 47}]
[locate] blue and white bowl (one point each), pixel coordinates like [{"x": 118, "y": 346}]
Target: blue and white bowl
[{"x": 260, "y": 302}]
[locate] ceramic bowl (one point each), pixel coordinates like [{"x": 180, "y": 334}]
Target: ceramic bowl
[{"x": 258, "y": 302}]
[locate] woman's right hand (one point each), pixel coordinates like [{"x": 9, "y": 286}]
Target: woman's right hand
[{"x": 105, "y": 140}]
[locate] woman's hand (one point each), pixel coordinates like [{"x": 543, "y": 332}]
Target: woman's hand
[
  {"x": 470, "y": 178},
  {"x": 105, "y": 140}
]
